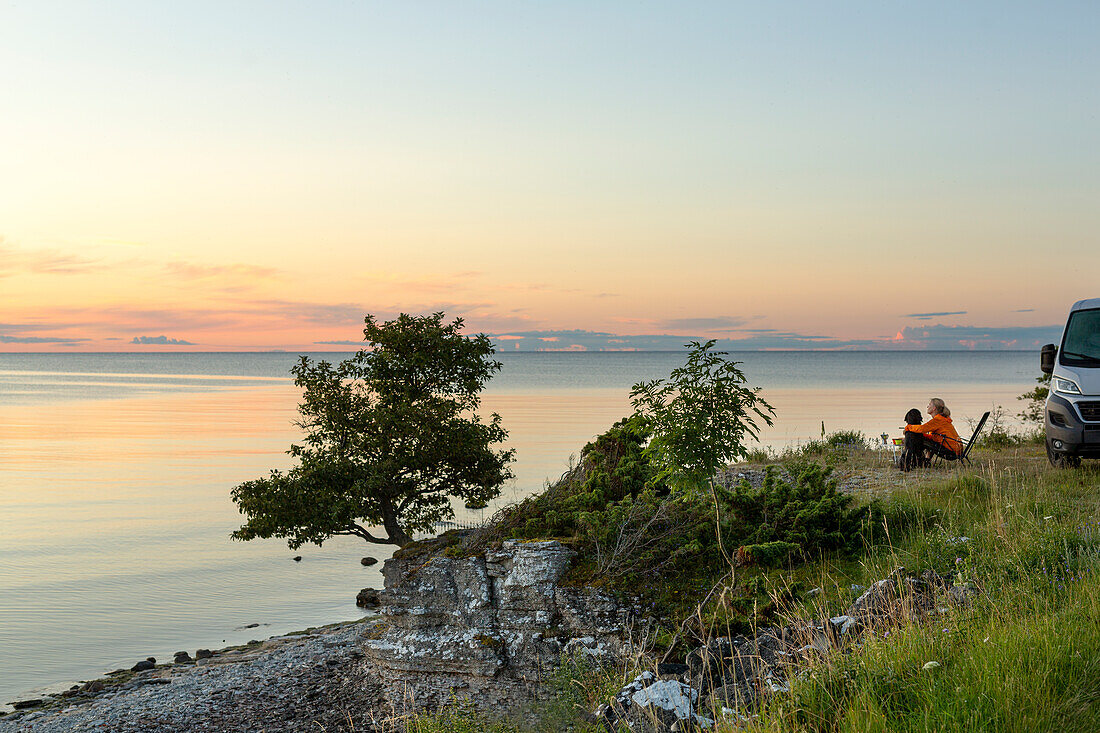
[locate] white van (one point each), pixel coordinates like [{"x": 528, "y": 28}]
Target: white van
[{"x": 1073, "y": 407}]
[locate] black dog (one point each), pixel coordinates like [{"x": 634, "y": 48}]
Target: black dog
[{"x": 909, "y": 458}]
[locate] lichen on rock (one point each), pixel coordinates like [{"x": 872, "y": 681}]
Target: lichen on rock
[{"x": 488, "y": 628}]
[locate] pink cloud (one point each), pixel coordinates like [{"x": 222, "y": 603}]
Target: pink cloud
[
  {"x": 202, "y": 272},
  {"x": 14, "y": 260}
]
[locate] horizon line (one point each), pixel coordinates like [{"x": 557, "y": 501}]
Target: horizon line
[{"x": 536, "y": 351}]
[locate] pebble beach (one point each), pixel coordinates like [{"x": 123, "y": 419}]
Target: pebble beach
[{"x": 307, "y": 681}]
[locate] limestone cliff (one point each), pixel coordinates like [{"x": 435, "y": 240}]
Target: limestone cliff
[{"x": 487, "y": 628}]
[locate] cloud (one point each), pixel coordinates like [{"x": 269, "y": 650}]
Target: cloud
[
  {"x": 203, "y": 272},
  {"x": 4, "y": 339},
  {"x": 1024, "y": 310},
  {"x": 19, "y": 327},
  {"x": 979, "y": 338},
  {"x": 132, "y": 319},
  {"x": 926, "y": 316},
  {"x": 15, "y": 260},
  {"x": 159, "y": 341},
  {"x": 774, "y": 340},
  {"x": 703, "y": 324},
  {"x": 324, "y": 314},
  {"x": 341, "y": 343}
]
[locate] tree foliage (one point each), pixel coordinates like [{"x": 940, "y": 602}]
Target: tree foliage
[
  {"x": 700, "y": 417},
  {"x": 391, "y": 436},
  {"x": 1035, "y": 400}
]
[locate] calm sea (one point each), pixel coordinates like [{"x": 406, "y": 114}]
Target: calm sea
[{"x": 115, "y": 471}]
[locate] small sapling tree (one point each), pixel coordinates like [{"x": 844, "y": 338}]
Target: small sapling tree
[
  {"x": 700, "y": 417},
  {"x": 1035, "y": 401},
  {"x": 392, "y": 435}
]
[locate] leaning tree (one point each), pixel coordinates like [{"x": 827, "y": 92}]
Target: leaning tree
[{"x": 392, "y": 436}]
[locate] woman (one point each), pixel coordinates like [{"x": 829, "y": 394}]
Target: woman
[{"x": 935, "y": 437}]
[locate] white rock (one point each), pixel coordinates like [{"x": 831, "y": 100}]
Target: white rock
[
  {"x": 669, "y": 695},
  {"x": 843, "y": 624}
]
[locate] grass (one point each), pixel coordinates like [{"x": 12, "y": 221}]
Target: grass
[
  {"x": 1025, "y": 656},
  {"x": 576, "y": 688}
]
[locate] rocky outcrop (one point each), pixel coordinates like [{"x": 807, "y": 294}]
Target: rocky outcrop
[
  {"x": 368, "y": 598},
  {"x": 486, "y": 628},
  {"x": 728, "y": 677}
]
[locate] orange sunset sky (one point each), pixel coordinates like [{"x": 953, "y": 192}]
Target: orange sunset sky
[{"x": 249, "y": 176}]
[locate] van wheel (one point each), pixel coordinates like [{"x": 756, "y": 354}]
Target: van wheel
[{"x": 1062, "y": 460}]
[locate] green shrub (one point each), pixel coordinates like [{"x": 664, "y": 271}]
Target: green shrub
[
  {"x": 759, "y": 455},
  {"x": 834, "y": 447},
  {"x": 851, "y": 439},
  {"x": 613, "y": 468},
  {"x": 768, "y": 554},
  {"x": 807, "y": 511}
]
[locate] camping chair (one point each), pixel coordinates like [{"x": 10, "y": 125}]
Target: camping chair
[{"x": 964, "y": 457}]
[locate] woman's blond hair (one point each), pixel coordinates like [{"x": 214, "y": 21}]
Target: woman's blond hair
[{"x": 939, "y": 404}]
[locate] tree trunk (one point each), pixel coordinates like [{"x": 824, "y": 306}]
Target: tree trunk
[{"x": 396, "y": 534}]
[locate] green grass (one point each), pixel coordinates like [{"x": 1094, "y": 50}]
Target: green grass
[
  {"x": 575, "y": 689},
  {"x": 1025, "y": 656},
  {"x": 1020, "y": 660}
]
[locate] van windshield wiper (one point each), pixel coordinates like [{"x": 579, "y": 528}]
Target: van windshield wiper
[{"x": 1085, "y": 357}]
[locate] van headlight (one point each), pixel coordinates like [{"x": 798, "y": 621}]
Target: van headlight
[{"x": 1066, "y": 386}]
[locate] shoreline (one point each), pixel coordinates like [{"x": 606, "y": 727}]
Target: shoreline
[
  {"x": 91, "y": 664},
  {"x": 266, "y": 680}
]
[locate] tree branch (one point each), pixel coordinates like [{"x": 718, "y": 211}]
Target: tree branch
[{"x": 358, "y": 531}]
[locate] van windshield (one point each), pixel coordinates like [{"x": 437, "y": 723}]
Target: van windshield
[{"x": 1081, "y": 344}]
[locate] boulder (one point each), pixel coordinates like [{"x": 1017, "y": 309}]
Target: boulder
[
  {"x": 961, "y": 595},
  {"x": 665, "y": 669},
  {"x": 368, "y": 598},
  {"x": 368, "y": 561},
  {"x": 203, "y": 654},
  {"x": 876, "y": 601},
  {"x": 664, "y": 706},
  {"x": 143, "y": 666},
  {"x": 652, "y": 704},
  {"x": 25, "y": 704},
  {"x": 843, "y": 626}
]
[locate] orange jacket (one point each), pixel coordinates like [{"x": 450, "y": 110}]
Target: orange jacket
[{"x": 940, "y": 430}]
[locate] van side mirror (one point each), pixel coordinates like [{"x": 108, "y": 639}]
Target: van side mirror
[{"x": 1046, "y": 358}]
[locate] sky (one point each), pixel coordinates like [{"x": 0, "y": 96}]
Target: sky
[{"x": 209, "y": 176}]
